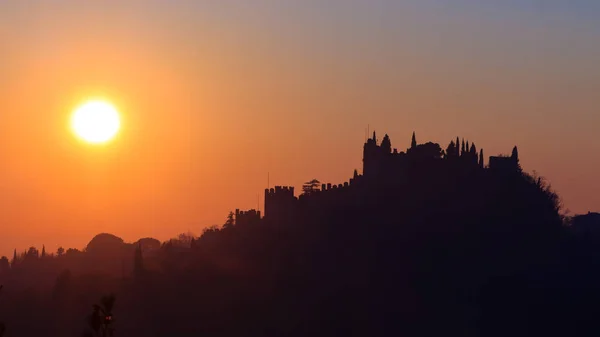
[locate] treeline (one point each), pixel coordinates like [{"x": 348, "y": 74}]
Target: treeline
[{"x": 479, "y": 254}]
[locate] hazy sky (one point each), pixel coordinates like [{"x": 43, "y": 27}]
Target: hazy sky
[{"x": 215, "y": 94}]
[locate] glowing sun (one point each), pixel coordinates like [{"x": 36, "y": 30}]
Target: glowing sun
[{"x": 96, "y": 122}]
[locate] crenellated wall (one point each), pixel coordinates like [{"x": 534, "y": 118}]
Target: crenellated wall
[
  {"x": 245, "y": 218},
  {"x": 382, "y": 166}
]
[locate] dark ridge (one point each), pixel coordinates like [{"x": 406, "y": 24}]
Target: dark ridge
[{"x": 423, "y": 242}]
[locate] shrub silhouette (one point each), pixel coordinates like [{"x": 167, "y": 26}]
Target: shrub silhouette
[{"x": 101, "y": 319}]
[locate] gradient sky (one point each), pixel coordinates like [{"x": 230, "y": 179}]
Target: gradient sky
[{"x": 215, "y": 94}]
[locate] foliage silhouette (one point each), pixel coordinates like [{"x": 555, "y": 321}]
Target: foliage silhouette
[
  {"x": 101, "y": 319},
  {"x": 311, "y": 186},
  {"x": 430, "y": 243},
  {"x": 230, "y": 220}
]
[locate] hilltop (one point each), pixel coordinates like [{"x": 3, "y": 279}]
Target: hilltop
[{"x": 422, "y": 242}]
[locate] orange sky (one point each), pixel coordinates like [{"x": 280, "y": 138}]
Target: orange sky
[{"x": 214, "y": 96}]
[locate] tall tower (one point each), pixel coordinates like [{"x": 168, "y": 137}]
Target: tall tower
[{"x": 370, "y": 156}]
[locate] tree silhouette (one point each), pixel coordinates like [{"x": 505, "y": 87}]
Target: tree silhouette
[
  {"x": 457, "y": 147},
  {"x": 428, "y": 150},
  {"x": 451, "y": 149},
  {"x": 60, "y": 251},
  {"x": 481, "y": 162},
  {"x": 33, "y": 252},
  {"x": 230, "y": 220},
  {"x": 101, "y": 319},
  {"x": 43, "y": 251},
  {"x": 310, "y": 187},
  {"x": 386, "y": 144},
  {"x": 413, "y": 143},
  {"x": 515, "y": 158},
  {"x": 473, "y": 153},
  {"x": 453, "y": 241}
]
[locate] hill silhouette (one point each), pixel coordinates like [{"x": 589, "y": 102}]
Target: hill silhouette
[{"x": 423, "y": 242}]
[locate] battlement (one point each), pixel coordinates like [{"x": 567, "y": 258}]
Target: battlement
[
  {"x": 246, "y": 217},
  {"x": 279, "y": 201},
  {"x": 330, "y": 187},
  {"x": 382, "y": 166},
  {"x": 280, "y": 190}
]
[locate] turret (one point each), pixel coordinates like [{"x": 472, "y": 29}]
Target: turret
[{"x": 279, "y": 201}]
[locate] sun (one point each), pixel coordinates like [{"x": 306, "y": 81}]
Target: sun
[{"x": 96, "y": 122}]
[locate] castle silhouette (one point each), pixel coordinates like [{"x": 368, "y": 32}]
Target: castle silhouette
[{"x": 383, "y": 168}]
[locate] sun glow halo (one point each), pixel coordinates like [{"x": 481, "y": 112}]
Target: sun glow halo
[{"x": 96, "y": 122}]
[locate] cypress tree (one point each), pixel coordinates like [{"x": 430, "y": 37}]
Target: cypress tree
[
  {"x": 481, "y": 158},
  {"x": 473, "y": 153},
  {"x": 413, "y": 143},
  {"x": 515, "y": 158},
  {"x": 43, "y": 251},
  {"x": 457, "y": 147},
  {"x": 386, "y": 144},
  {"x": 451, "y": 149}
]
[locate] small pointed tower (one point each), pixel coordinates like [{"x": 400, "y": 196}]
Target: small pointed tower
[{"x": 371, "y": 156}]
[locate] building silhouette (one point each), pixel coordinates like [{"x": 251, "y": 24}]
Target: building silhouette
[
  {"x": 245, "y": 218},
  {"x": 384, "y": 168}
]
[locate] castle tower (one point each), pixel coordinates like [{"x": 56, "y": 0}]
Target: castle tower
[
  {"x": 371, "y": 156},
  {"x": 279, "y": 203}
]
